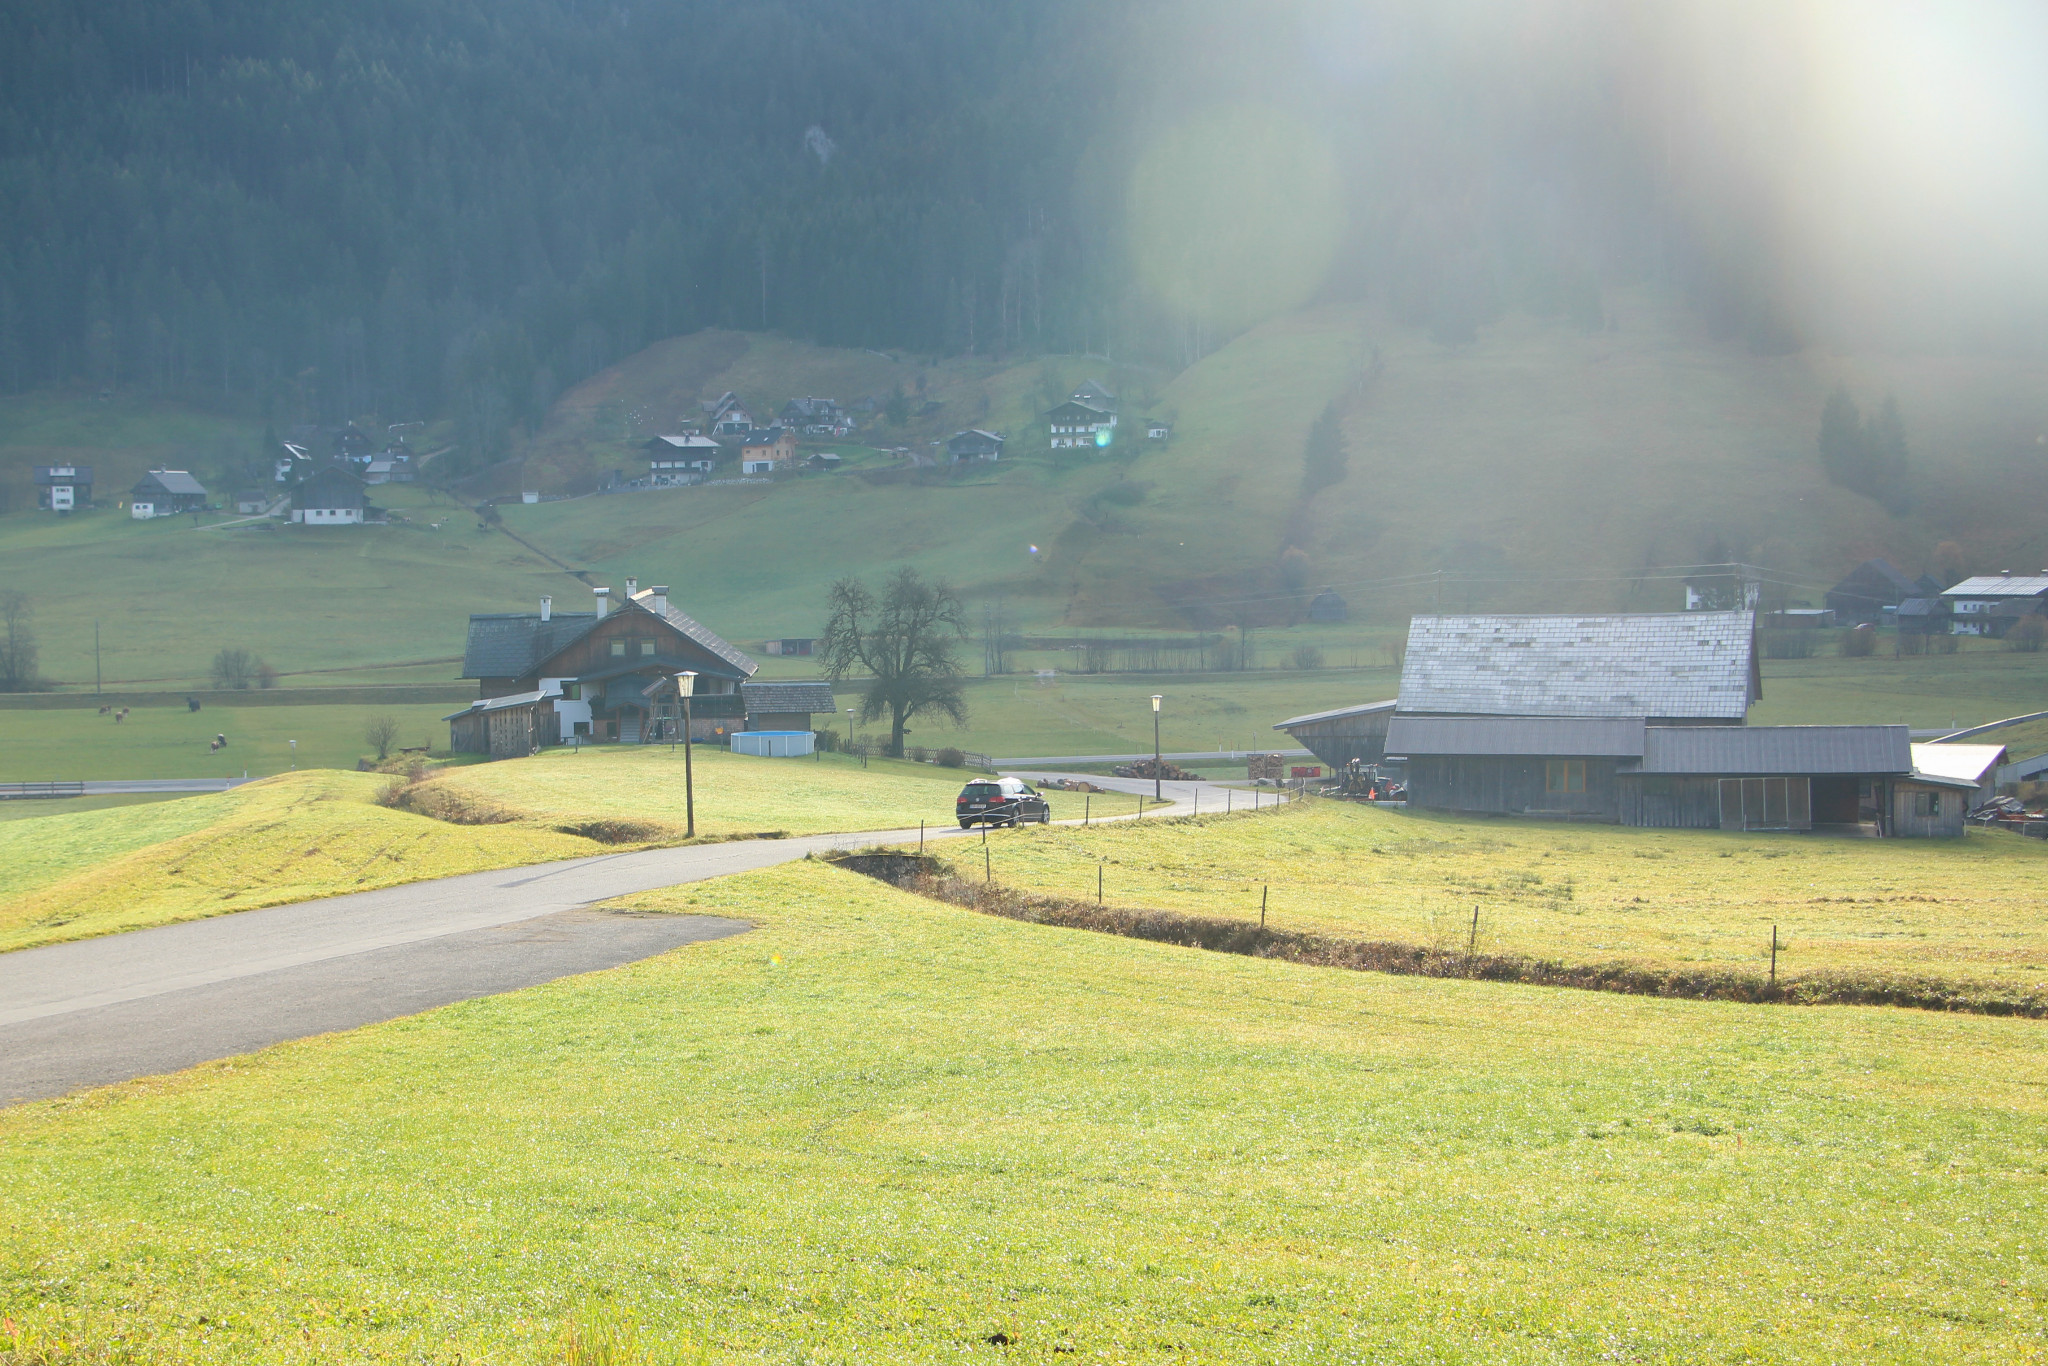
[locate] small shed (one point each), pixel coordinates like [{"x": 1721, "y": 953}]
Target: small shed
[
  {"x": 504, "y": 727},
  {"x": 1929, "y": 805},
  {"x": 1346, "y": 733},
  {"x": 253, "y": 502},
  {"x": 786, "y": 706}
]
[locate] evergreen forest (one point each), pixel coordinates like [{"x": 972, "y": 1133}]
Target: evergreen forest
[{"x": 440, "y": 208}]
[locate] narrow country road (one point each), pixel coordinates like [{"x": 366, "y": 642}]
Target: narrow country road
[{"x": 148, "y": 1001}]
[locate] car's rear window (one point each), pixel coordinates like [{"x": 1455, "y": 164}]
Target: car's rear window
[{"x": 982, "y": 791}]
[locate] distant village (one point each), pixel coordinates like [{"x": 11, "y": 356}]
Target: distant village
[
  {"x": 318, "y": 477},
  {"x": 725, "y": 437}
]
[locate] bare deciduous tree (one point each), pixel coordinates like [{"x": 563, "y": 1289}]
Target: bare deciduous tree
[
  {"x": 17, "y": 642},
  {"x": 904, "y": 642},
  {"x": 382, "y": 734}
]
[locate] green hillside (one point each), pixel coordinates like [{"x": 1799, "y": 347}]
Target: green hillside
[{"x": 1539, "y": 468}]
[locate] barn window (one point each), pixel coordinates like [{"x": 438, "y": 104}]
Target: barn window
[
  {"x": 1564, "y": 775},
  {"x": 647, "y": 647},
  {"x": 1927, "y": 804},
  {"x": 618, "y": 649}
]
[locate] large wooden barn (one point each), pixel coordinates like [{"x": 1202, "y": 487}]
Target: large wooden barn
[{"x": 1630, "y": 719}]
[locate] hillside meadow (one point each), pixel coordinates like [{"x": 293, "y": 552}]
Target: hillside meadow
[
  {"x": 1656, "y": 444},
  {"x": 881, "y": 1129},
  {"x": 1963, "y": 914},
  {"x": 322, "y": 833}
]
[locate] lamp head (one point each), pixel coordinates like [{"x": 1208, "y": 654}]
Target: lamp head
[
  {"x": 1155, "y": 701},
  {"x": 686, "y": 683}
]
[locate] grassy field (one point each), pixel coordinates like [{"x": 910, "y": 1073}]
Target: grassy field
[
  {"x": 878, "y": 1129},
  {"x": 737, "y": 794},
  {"x": 172, "y": 742},
  {"x": 75, "y": 874},
  {"x": 1966, "y": 912}
]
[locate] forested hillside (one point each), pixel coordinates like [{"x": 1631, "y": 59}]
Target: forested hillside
[
  {"x": 411, "y": 208},
  {"x": 431, "y": 208}
]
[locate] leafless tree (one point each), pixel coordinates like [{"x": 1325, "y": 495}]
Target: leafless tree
[
  {"x": 904, "y": 642},
  {"x": 382, "y": 734},
  {"x": 17, "y": 642}
]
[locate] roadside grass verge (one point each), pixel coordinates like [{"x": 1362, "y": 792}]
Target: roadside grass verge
[
  {"x": 1934, "y": 920},
  {"x": 884, "y": 1129},
  {"x": 288, "y": 838}
]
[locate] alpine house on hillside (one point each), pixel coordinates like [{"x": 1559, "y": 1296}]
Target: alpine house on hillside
[{"x": 1636, "y": 719}]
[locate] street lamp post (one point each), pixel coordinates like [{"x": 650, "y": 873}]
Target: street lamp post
[
  {"x": 686, "y": 684},
  {"x": 849, "y": 732},
  {"x": 1155, "y": 747}
]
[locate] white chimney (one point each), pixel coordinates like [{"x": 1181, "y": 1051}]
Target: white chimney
[
  {"x": 660, "y": 591},
  {"x": 547, "y": 607},
  {"x": 632, "y": 586},
  {"x": 604, "y": 600}
]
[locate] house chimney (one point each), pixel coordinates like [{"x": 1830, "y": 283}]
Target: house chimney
[
  {"x": 660, "y": 591},
  {"x": 632, "y": 587},
  {"x": 547, "y": 607},
  {"x": 604, "y": 600}
]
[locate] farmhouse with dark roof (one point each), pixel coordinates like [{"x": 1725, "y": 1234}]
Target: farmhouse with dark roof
[{"x": 548, "y": 677}]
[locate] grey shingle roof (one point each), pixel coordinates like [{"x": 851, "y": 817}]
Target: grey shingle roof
[
  {"x": 490, "y": 704},
  {"x": 1778, "y": 750},
  {"x": 1679, "y": 664},
  {"x": 330, "y": 488},
  {"x": 2000, "y": 586},
  {"x": 1577, "y": 737},
  {"x": 509, "y": 644},
  {"x": 789, "y": 697},
  {"x": 172, "y": 481},
  {"x": 1358, "y": 710}
]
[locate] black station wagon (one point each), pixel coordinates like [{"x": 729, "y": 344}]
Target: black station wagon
[{"x": 1000, "y": 801}]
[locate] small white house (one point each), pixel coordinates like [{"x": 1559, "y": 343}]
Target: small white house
[{"x": 332, "y": 497}]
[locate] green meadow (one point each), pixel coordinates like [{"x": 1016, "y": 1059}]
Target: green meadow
[
  {"x": 1964, "y": 914},
  {"x": 881, "y": 1129}
]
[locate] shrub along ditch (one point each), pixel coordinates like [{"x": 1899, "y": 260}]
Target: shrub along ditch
[{"x": 926, "y": 875}]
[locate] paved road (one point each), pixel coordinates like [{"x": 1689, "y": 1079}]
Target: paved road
[
  {"x": 1195, "y": 756},
  {"x": 127, "y": 1005}
]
